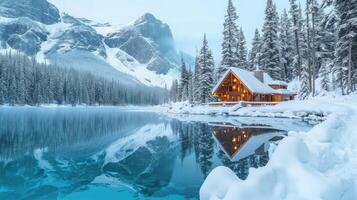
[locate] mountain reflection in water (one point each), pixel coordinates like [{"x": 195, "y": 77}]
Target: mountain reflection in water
[{"x": 89, "y": 153}]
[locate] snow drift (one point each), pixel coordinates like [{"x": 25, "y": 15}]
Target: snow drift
[{"x": 320, "y": 164}]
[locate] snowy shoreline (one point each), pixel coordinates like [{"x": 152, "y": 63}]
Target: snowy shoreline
[
  {"x": 318, "y": 164},
  {"x": 311, "y": 112}
]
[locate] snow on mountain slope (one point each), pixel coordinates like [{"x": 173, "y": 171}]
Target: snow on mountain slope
[{"x": 141, "y": 52}]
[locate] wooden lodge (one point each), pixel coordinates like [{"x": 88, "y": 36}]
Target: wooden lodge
[{"x": 241, "y": 85}]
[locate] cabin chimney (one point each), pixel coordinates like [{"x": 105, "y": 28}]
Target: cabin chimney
[{"x": 259, "y": 74}]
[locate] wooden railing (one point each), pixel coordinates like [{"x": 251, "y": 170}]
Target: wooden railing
[{"x": 243, "y": 103}]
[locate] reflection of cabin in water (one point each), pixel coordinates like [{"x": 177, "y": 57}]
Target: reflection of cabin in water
[
  {"x": 242, "y": 85},
  {"x": 239, "y": 143}
]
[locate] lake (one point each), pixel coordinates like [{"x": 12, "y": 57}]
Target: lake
[{"x": 121, "y": 153}]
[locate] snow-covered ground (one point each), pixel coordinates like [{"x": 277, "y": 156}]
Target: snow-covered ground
[
  {"x": 314, "y": 109},
  {"x": 318, "y": 164}
]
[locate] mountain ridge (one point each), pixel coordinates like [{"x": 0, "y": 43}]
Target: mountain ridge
[{"x": 143, "y": 51}]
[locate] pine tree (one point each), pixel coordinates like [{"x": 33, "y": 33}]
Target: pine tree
[
  {"x": 242, "y": 51},
  {"x": 345, "y": 47},
  {"x": 286, "y": 46},
  {"x": 254, "y": 54},
  {"x": 190, "y": 86},
  {"x": 21, "y": 90},
  {"x": 196, "y": 79},
  {"x": 184, "y": 81},
  {"x": 229, "y": 45},
  {"x": 270, "y": 50},
  {"x": 304, "y": 90},
  {"x": 206, "y": 66},
  {"x": 325, "y": 77},
  {"x": 303, "y": 40},
  {"x": 12, "y": 89},
  {"x": 326, "y": 38},
  {"x": 2, "y": 83},
  {"x": 296, "y": 21}
]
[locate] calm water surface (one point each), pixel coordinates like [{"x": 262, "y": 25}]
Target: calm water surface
[{"x": 112, "y": 153}]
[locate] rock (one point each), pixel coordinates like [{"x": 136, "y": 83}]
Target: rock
[
  {"x": 139, "y": 48},
  {"x": 38, "y": 10},
  {"x": 159, "y": 32},
  {"x": 22, "y": 34},
  {"x": 159, "y": 65},
  {"x": 149, "y": 41},
  {"x": 79, "y": 36}
]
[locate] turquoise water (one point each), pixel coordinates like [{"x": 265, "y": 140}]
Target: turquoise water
[{"x": 112, "y": 153}]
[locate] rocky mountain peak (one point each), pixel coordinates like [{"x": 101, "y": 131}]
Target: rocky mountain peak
[
  {"x": 150, "y": 27},
  {"x": 38, "y": 10},
  {"x": 36, "y": 28},
  {"x": 147, "y": 17}
]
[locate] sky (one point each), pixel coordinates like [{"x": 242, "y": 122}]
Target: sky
[{"x": 188, "y": 19}]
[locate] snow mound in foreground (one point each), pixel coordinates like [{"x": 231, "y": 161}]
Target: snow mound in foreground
[{"x": 321, "y": 164}]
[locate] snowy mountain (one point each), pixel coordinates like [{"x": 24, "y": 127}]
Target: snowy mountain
[{"x": 141, "y": 52}]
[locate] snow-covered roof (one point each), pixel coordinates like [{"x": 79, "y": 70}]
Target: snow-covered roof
[
  {"x": 277, "y": 82},
  {"x": 249, "y": 80},
  {"x": 253, "y": 144},
  {"x": 284, "y": 92}
]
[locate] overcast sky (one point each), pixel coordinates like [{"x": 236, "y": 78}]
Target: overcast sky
[{"x": 188, "y": 19}]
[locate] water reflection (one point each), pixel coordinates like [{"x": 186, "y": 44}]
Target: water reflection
[
  {"x": 245, "y": 147},
  {"x": 241, "y": 142},
  {"x": 85, "y": 153}
]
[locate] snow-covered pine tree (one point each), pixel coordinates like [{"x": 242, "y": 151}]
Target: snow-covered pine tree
[
  {"x": 242, "y": 51},
  {"x": 21, "y": 90},
  {"x": 324, "y": 74},
  {"x": 295, "y": 17},
  {"x": 326, "y": 37},
  {"x": 304, "y": 90},
  {"x": 206, "y": 66},
  {"x": 183, "y": 86},
  {"x": 270, "y": 50},
  {"x": 196, "y": 93},
  {"x": 229, "y": 45},
  {"x": 303, "y": 40},
  {"x": 190, "y": 86},
  {"x": 184, "y": 81},
  {"x": 174, "y": 91},
  {"x": 286, "y": 46},
  {"x": 345, "y": 67},
  {"x": 254, "y": 54},
  {"x": 2, "y": 83}
]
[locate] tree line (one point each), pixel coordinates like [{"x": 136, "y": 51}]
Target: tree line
[
  {"x": 317, "y": 43},
  {"x": 24, "y": 81}
]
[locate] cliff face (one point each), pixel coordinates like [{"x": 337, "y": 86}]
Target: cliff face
[{"x": 143, "y": 51}]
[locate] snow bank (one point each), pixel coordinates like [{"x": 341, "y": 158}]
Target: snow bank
[
  {"x": 318, "y": 165},
  {"x": 314, "y": 109}
]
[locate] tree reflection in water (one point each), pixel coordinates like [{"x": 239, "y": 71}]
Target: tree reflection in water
[
  {"x": 239, "y": 147},
  {"x": 52, "y": 153}
]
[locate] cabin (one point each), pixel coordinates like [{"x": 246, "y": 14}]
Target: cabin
[{"x": 242, "y": 85}]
